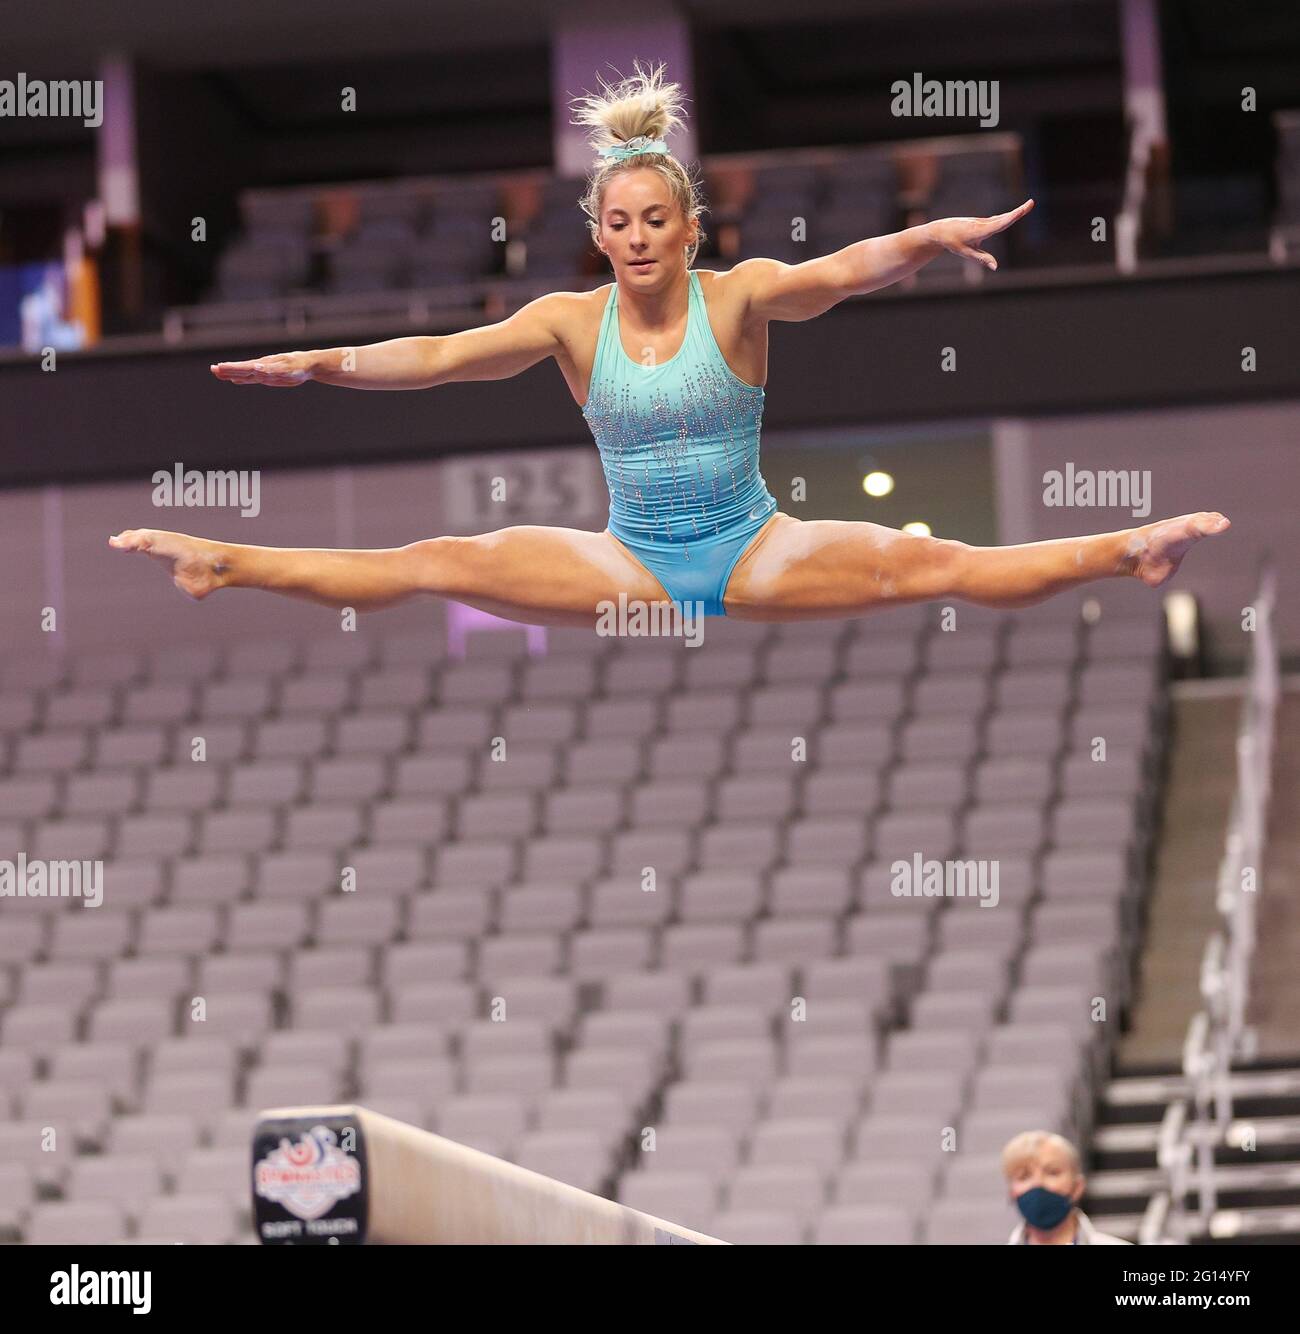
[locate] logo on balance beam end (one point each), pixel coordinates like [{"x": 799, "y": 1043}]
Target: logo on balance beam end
[{"x": 307, "y": 1188}]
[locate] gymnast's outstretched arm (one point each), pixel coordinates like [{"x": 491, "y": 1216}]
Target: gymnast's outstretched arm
[
  {"x": 491, "y": 352},
  {"x": 777, "y": 291}
]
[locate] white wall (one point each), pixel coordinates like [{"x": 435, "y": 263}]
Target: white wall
[
  {"x": 53, "y": 542},
  {"x": 1242, "y": 460},
  {"x": 55, "y": 552}
]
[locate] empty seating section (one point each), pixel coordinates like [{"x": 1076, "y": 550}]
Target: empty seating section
[
  {"x": 292, "y": 241},
  {"x": 626, "y": 912},
  {"x": 338, "y": 244}
]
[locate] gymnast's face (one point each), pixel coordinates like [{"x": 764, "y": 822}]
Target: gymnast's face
[{"x": 639, "y": 221}]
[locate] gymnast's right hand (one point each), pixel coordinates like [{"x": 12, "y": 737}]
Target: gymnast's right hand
[{"x": 280, "y": 370}]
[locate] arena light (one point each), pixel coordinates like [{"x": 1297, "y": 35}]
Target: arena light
[
  {"x": 1182, "y": 619},
  {"x": 917, "y": 528},
  {"x": 878, "y": 483}
]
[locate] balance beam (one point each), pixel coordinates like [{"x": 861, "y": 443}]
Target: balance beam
[{"x": 347, "y": 1175}]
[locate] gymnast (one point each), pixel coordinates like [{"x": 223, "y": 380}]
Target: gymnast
[{"x": 668, "y": 364}]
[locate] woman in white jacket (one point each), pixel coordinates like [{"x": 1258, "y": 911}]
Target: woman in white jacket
[{"x": 1045, "y": 1180}]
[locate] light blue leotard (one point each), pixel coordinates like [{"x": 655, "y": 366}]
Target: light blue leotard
[{"x": 679, "y": 445}]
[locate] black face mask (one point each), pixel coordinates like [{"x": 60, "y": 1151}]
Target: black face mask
[{"x": 1043, "y": 1208}]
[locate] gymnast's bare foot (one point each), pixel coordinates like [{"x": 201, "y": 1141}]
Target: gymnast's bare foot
[
  {"x": 196, "y": 565},
  {"x": 1156, "y": 550}
]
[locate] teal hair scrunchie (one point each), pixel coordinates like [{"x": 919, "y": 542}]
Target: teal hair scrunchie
[{"x": 641, "y": 144}]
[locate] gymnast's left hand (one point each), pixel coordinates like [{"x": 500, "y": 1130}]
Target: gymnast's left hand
[{"x": 963, "y": 236}]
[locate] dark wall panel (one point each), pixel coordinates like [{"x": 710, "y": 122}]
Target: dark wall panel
[{"x": 1019, "y": 351}]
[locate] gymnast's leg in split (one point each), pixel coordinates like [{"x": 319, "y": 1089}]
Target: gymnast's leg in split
[{"x": 792, "y": 569}]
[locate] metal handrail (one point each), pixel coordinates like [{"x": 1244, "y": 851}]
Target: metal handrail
[{"x": 1153, "y": 1230}]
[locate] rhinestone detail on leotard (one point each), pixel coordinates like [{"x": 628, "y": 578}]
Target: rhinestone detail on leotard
[{"x": 679, "y": 442}]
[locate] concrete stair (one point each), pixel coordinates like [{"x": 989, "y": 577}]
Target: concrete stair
[
  {"x": 1274, "y": 1010},
  {"x": 1181, "y": 915},
  {"x": 1258, "y": 1191}
]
